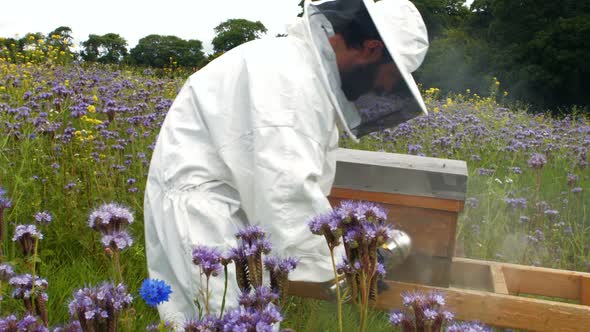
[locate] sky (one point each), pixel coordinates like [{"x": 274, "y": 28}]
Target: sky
[{"x": 133, "y": 19}]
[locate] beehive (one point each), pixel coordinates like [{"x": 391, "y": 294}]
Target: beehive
[{"x": 424, "y": 197}]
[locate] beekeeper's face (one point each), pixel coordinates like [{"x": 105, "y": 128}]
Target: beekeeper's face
[{"x": 371, "y": 71}]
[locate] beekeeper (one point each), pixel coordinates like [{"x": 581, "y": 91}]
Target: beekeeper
[{"x": 248, "y": 139}]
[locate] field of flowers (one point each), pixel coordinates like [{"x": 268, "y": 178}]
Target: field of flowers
[{"x": 76, "y": 136}]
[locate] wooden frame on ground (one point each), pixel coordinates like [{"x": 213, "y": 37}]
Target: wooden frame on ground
[{"x": 492, "y": 293}]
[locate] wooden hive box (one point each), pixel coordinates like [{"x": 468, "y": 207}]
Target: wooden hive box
[{"x": 424, "y": 197}]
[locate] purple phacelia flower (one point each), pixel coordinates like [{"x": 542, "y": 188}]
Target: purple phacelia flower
[
  {"x": 276, "y": 264},
  {"x": 414, "y": 149},
  {"x": 515, "y": 170},
  {"x": 328, "y": 225},
  {"x": 23, "y": 286},
  {"x": 537, "y": 161},
  {"x": 30, "y": 323},
  {"x": 576, "y": 190},
  {"x": 536, "y": 237},
  {"x": 352, "y": 237},
  {"x": 344, "y": 267},
  {"x": 430, "y": 315},
  {"x": 551, "y": 214},
  {"x": 205, "y": 324},
  {"x": 6, "y": 272},
  {"x": 27, "y": 236},
  {"x": 472, "y": 202},
  {"x": 396, "y": 318},
  {"x": 485, "y": 171},
  {"x": 368, "y": 211},
  {"x": 524, "y": 219},
  {"x": 117, "y": 241},
  {"x": 110, "y": 218},
  {"x": 279, "y": 274},
  {"x": 516, "y": 203},
  {"x": 572, "y": 180},
  {"x": 93, "y": 304},
  {"x": 436, "y": 299},
  {"x": 208, "y": 259},
  {"x": 248, "y": 319},
  {"x": 70, "y": 327},
  {"x": 413, "y": 298},
  {"x": 369, "y": 230},
  {"x": 9, "y": 324},
  {"x": 468, "y": 327},
  {"x": 256, "y": 247},
  {"x": 251, "y": 233},
  {"x": 43, "y": 218},
  {"x": 5, "y": 202},
  {"x": 542, "y": 206},
  {"x": 258, "y": 299}
]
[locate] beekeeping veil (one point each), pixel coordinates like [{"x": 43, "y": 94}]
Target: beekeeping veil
[{"x": 404, "y": 34}]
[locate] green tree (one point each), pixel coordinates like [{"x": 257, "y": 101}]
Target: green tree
[
  {"x": 29, "y": 41},
  {"x": 91, "y": 48},
  {"x": 161, "y": 51},
  {"x": 60, "y": 38},
  {"x": 108, "y": 48},
  {"x": 540, "y": 49},
  {"x": 439, "y": 15},
  {"x": 234, "y": 32}
]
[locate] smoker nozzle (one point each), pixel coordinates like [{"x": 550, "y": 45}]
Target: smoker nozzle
[{"x": 395, "y": 251}]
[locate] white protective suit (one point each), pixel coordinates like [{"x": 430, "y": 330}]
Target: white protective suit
[{"x": 246, "y": 141}]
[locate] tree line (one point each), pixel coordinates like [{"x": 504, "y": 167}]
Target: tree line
[
  {"x": 537, "y": 49},
  {"x": 157, "y": 51}
]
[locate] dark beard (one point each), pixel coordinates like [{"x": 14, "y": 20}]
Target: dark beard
[{"x": 358, "y": 81}]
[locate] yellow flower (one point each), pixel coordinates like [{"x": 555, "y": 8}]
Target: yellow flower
[
  {"x": 91, "y": 109},
  {"x": 436, "y": 110},
  {"x": 505, "y": 93},
  {"x": 77, "y": 133},
  {"x": 67, "y": 83},
  {"x": 95, "y": 98}
]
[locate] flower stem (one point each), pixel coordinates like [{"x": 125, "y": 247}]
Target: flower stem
[
  {"x": 364, "y": 301},
  {"x": 1, "y": 235},
  {"x": 338, "y": 299},
  {"x": 33, "y": 274},
  {"x": 117, "y": 266},
  {"x": 207, "y": 296},
  {"x": 224, "y": 291}
]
